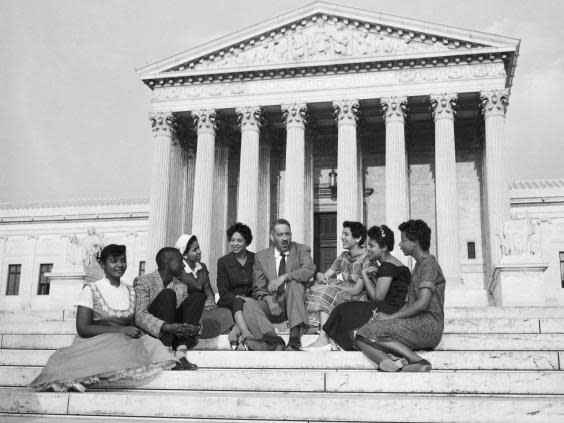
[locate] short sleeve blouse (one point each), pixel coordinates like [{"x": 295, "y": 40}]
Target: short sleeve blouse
[{"x": 400, "y": 282}]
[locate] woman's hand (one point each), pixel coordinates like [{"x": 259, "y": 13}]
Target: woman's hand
[
  {"x": 242, "y": 297},
  {"x": 369, "y": 269},
  {"x": 131, "y": 331},
  {"x": 321, "y": 277},
  {"x": 382, "y": 316}
]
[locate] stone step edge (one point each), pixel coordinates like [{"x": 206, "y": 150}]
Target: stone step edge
[
  {"x": 307, "y": 406},
  {"x": 436, "y": 382}
]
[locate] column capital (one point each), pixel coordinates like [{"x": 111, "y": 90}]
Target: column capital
[
  {"x": 443, "y": 106},
  {"x": 394, "y": 109},
  {"x": 294, "y": 114},
  {"x": 205, "y": 120},
  {"x": 494, "y": 102},
  {"x": 162, "y": 123},
  {"x": 249, "y": 117},
  {"x": 346, "y": 111}
]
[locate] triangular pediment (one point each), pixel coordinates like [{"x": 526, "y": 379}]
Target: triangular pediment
[{"x": 323, "y": 32}]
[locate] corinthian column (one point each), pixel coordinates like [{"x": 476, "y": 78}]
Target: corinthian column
[
  {"x": 397, "y": 203},
  {"x": 203, "y": 180},
  {"x": 294, "y": 116},
  {"x": 348, "y": 199},
  {"x": 177, "y": 193},
  {"x": 494, "y": 106},
  {"x": 250, "y": 121},
  {"x": 161, "y": 124},
  {"x": 446, "y": 202}
]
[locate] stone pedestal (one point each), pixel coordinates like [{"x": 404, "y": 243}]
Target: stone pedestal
[
  {"x": 518, "y": 281},
  {"x": 248, "y": 194},
  {"x": 295, "y": 182},
  {"x": 65, "y": 287},
  {"x": 397, "y": 200},
  {"x": 348, "y": 200},
  {"x": 160, "y": 176}
]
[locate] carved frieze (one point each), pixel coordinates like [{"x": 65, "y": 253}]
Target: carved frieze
[
  {"x": 162, "y": 123},
  {"x": 205, "y": 120},
  {"x": 346, "y": 111},
  {"x": 394, "y": 108},
  {"x": 443, "y": 106},
  {"x": 294, "y": 114},
  {"x": 494, "y": 102},
  {"x": 353, "y": 80},
  {"x": 321, "y": 38},
  {"x": 250, "y": 117}
]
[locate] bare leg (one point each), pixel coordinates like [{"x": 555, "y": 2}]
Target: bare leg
[
  {"x": 322, "y": 339},
  {"x": 376, "y": 354},
  {"x": 240, "y": 321}
]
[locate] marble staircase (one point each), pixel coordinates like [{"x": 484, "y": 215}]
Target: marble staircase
[{"x": 493, "y": 365}]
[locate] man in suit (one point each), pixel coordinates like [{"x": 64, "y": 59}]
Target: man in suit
[
  {"x": 279, "y": 277},
  {"x": 164, "y": 309}
]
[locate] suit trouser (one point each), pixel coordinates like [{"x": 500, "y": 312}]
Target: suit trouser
[
  {"x": 257, "y": 314},
  {"x": 190, "y": 311}
]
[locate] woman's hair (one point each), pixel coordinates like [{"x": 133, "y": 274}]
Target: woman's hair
[
  {"x": 243, "y": 229},
  {"x": 192, "y": 240},
  {"x": 417, "y": 230},
  {"x": 358, "y": 230},
  {"x": 383, "y": 235},
  {"x": 112, "y": 250}
]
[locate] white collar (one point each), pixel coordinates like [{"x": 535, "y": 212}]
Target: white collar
[
  {"x": 188, "y": 269},
  {"x": 278, "y": 254}
]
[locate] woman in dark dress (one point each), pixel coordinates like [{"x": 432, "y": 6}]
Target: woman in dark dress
[
  {"x": 419, "y": 324},
  {"x": 235, "y": 280},
  {"x": 386, "y": 287},
  {"x": 215, "y": 321}
]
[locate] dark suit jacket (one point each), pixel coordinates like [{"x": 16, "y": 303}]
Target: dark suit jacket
[
  {"x": 299, "y": 267},
  {"x": 234, "y": 279}
]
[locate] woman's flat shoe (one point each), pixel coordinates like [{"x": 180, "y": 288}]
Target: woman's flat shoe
[
  {"x": 326, "y": 347},
  {"x": 390, "y": 366},
  {"x": 417, "y": 366}
]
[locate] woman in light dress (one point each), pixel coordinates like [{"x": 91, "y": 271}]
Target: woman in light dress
[
  {"x": 108, "y": 346},
  {"x": 330, "y": 291}
]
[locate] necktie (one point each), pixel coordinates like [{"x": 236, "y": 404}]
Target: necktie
[{"x": 282, "y": 265}]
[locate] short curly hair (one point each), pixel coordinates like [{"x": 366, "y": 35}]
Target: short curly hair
[
  {"x": 358, "y": 230},
  {"x": 417, "y": 230},
  {"x": 112, "y": 250},
  {"x": 243, "y": 229},
  {"x": 383, "y": 235}
]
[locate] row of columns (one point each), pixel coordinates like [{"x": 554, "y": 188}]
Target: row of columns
[{"x": 297, "y": 190}]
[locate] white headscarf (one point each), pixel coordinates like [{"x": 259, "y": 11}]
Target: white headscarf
[{"x": 181, "y": 244}]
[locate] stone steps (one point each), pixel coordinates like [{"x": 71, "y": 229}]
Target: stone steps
[
  {"x": 450, "y": 342},
  {"x": 460, "y": 326},
  {"x": 275, "y": 380},
  {"x": 441, "y": 360},
  {"x": 355, "y": 407}
]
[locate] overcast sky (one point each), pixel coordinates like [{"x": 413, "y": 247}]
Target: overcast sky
[{"x": 73, "y": 113}]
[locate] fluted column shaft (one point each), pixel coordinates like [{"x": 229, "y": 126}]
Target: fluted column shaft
[
  {"x": 176, "y": 193},
  {"x": 203, "y": 180},
  {"x": 248, "y": 192},
  {"x": 348, "y": 201},
  {"x": 446, "y": 199},
  {"x": 397, "y": 202},
  {"x": 262, "y": 236},
  {"x": 189, "y": 170},
  {"x": 160, "y": 180},
  {"x": 294, "y": 185},
  {"x": 494, "y": 107}
]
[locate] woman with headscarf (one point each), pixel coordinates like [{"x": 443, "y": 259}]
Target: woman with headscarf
[{"x": 215, "y": 321}]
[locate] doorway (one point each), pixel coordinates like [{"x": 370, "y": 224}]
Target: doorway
[{"x": 324, "y": 240}]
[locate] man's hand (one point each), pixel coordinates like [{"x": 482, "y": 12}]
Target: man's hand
[
  {"x": 320, "y": 277},
  {"x": 242, "y": 297},
  {"x": 273, "y": 306},
  {"x": 275, "y": 284},
  {"x": 180, "y": 329},
  {"x": 131, "y": 331}
]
